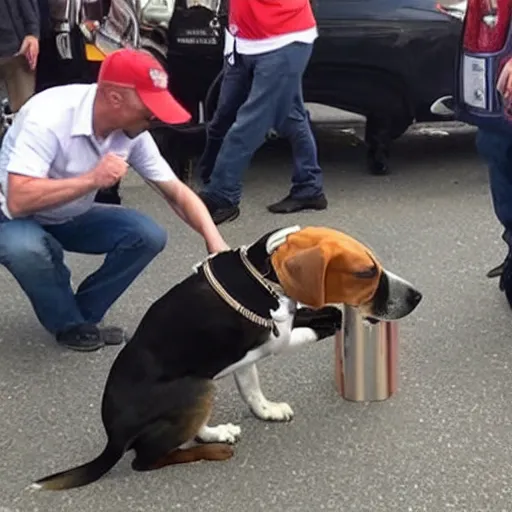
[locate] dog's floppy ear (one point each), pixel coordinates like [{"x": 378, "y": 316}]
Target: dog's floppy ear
[
  {"x": 304, "y": 273},
  {"x": 318, "y": 266}
]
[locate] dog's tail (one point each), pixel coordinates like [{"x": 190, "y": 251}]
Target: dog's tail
[{"x": 81, "y": 475}]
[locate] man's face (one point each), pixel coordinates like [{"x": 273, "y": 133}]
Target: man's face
[{"x": 134, "y": 117}]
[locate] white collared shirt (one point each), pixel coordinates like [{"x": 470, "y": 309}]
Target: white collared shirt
[{"x": 52, "y": 137}]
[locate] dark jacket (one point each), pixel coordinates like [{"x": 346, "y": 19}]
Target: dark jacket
[{"x": 18, "y": 18}]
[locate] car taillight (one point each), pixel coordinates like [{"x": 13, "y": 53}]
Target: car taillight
[{"x": 487, "y": 25}]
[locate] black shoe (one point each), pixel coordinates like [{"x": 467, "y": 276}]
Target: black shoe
[
  {"x": 499, "y": 271},
  {"x": 83, "y": 338},
  {"x": 496, "y": 271},
  {"x": 295, "y": 204},
  {"x": 88, "y": 337},
  {"x": 220, "y": 212},
  {"x": 112, "y": 335}
]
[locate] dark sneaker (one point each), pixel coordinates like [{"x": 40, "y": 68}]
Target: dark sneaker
[
  {"x": 112, "y": 335},
  {"x": 220, "y": 212},
  {"x": 496, "y": 271},
  {"x": 295, "y": 204},
  {"x": 499, "y": 271},
  {"x": 83, "y": 338}
]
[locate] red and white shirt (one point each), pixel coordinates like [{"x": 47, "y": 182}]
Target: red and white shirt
[{"x": 264, "y": 25}]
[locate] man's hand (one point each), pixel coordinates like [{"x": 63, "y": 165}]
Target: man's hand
[
  {"x": 217, "y": 245},
  {"x": 30, "y": 48},
  {"x": 109, "y": 170}
]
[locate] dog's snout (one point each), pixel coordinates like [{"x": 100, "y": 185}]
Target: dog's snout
[{"x": 414, "y": 297}]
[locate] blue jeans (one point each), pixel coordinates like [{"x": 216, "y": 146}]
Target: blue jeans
[
  {"x": 259, "y": 93},
  {"x": 34, "y": 255},
  {"x": 495, "y": 148}
]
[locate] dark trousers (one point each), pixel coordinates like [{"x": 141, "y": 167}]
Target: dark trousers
[{"x": 259, "y": 93}]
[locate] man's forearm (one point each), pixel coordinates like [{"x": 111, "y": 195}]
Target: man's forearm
[
  {"x": 28, "y": 195},
  {"x": 196, "y": 215},
  {"x": 194, "y": 212}
]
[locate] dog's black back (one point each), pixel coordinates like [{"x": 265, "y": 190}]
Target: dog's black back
[{"x": 192, "y": 331}]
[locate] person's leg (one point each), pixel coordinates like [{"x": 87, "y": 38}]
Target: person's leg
[
  {"x": 130, "y": 240},
  {"x": 495, "y": 148},
  {"x": 307, "y": 180},
  {"x": 268, "y": 106},
  {"x": 36, "y": 261},
  {"x": 234, "y": 88},
  {"x": 20, "y": 81}
]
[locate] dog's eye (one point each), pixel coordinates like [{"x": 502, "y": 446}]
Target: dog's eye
[{"x": 369, "y": 273}]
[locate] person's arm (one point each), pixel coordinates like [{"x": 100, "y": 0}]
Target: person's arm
[
  {"x": 28, "y": 195},
  {"x": 32, "y": 23},
  {"x": 193, "y": 211},
  {"x": 146, "y": 159},
  {"x": 30, "y": 156},
  {"x": 31, "y": 17}
]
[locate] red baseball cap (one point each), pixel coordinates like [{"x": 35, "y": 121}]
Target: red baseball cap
[{"x": 140, "y": 70}]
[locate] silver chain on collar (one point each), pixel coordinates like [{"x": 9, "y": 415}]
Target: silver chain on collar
[
  {"x": 271, "y": 287},
  {"x": 231, "y": 301}
]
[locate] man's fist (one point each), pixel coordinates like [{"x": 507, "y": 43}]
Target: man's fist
[
  {"x": 110, "y": 169},
  {"x": 30, "y": 48}
]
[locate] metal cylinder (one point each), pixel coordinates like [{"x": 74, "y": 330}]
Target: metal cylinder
[{"x": 366, "y": 358}]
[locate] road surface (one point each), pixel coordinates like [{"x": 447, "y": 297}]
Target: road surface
[{"x": 441, "y": 443}]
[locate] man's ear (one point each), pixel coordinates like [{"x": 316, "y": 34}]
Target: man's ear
[
  {"x": 114, "y": 96},
  {"x": 304, "y": 274}
]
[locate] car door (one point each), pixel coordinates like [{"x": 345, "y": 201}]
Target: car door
[{"x": 360, "y": 45}]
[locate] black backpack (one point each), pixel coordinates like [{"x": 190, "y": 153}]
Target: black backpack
[{"x": 197, "y": 31}]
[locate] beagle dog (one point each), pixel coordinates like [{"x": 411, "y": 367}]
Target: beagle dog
[{"x": 235, "y": 309}]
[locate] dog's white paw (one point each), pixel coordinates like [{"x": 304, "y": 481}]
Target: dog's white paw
[
  {"x": 227, "y": 433},
  {"x": 272, "y": 411}
]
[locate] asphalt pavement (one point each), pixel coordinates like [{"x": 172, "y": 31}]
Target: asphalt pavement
[{"x": 443, "y": 442}]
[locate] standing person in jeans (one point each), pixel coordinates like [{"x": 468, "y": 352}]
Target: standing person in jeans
[
  {"x": 19, "y": 49},
  {"x": 495, "y": 147},
  {"x": 262, "y": 90}
]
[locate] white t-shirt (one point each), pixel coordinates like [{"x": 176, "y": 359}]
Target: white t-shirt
[
  {"x": 258, "y": 46},
  {"x": 52, "y": 137}
]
